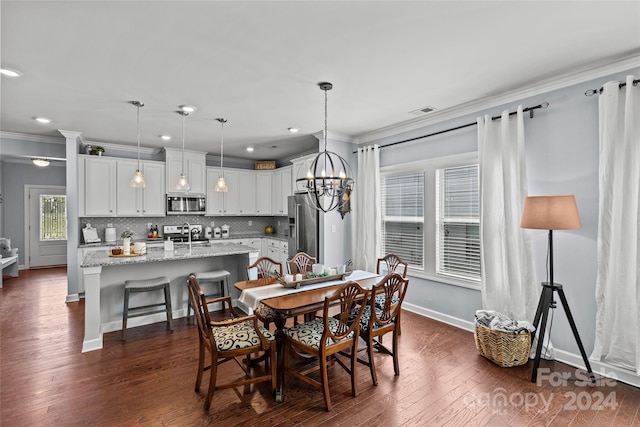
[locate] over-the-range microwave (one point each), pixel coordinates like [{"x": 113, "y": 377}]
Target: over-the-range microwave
[{"x": 186, "y": 204}]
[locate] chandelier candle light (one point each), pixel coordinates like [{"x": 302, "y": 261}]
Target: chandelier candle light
[
  {"x": 221, "y": 184},
  {"x": 138, "y": 179},
  {"x": 329, "y": 181},
  {"x": 183, "y": 183}
]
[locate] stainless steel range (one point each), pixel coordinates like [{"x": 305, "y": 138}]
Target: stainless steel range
[{"x": 178, "y": 233}]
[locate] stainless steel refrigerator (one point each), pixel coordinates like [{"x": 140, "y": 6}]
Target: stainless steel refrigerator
[{"x": 303, "y": 227}]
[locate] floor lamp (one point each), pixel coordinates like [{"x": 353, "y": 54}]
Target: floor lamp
[{"x": 552, "y": 213}]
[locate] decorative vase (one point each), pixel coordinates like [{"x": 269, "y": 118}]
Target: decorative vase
[{"x": 126, "y": 245}]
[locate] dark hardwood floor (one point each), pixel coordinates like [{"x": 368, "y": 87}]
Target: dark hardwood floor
[{"x": 46, "y": 381}]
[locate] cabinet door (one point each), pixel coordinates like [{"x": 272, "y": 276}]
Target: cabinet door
[
  {"x": 196, "y": 165},
  {"x": 276, "y": 193},
  {"x": 128, "y": 199},
  {"x": 301, "y": 167},
  {"x": 247, "y": 195},
  {"x": 231, "y": 197},
  {"x": 286, "y": 188},
  {"x": 263, "y": 193},
  {"x": 215, "y": 200},
  {"x": 153, "y": 195},
  {"x": 99, "y": 187},
  {"x": 172, "y": 172}
]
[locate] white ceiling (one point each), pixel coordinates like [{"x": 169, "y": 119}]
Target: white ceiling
[{"x": 258, "y": 64}]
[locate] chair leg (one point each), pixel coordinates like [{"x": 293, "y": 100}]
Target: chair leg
[
  {"x": 372, "y": 365},
  {"x": 200, "y": 366},
  {"x": 396, "y": 364},
  {"x": 167, "y": 301},
  {"x": 398, "y": 324},
  {"x": 354, "y": 358},
  {"x": 324, "y": 378},
  {"x": 212, "y": 383},
  {"x": 125, "y": 313}
]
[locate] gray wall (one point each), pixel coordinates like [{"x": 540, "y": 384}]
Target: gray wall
[
  {"x": 562, "y": 158},
  {"x": 14, "y": 177}
]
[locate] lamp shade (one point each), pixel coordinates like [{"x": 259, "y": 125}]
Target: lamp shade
[{"x": 550, "y": 213}]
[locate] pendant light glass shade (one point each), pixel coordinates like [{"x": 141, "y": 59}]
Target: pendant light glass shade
[
  {"x": 329, "y": 181},
  {"x": 183, "y": 183},
  {"x": 221, "y": 184},
  {"x": 138, "y": 179}
]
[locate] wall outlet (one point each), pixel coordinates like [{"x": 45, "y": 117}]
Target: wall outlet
[
  {"x": 250, "y": 223},
  {"x": 213, "y": 224},
  {"x": 333, "y": 228},
  {"x": 149, "y": 225}
]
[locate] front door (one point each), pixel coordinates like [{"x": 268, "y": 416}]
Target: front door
[{"x": 47, "y": 226}]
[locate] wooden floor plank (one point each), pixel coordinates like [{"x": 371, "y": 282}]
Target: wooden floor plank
[{"x": 149, "y": 379}]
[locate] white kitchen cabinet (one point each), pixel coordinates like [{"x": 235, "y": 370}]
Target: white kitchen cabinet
[
  {"x": 97, "y": 186},
  {"x": 148, "y": 201},
  {"x": 277, "y": 250},
  {"x": 221, "y": 203},
  {"x": 263, "y": 193},
  {"x": 247, "y": 193},
  {"x": 280, "y": 190},
  {"x": 194, "y": 169},
  {"x": 301, "y": 167}
]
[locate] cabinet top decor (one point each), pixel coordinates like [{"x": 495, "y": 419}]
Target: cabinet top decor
[{"x": 265, "y": 165}]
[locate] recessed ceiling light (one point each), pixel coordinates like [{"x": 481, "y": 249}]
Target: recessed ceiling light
[
  {"x": 42, "y": 120},
  {"x": 165, "y": 137},
  {"x": 293, "y": 130},
  {"x": 250, "y": 149},
  {"x": 10, "y": 72},
  {"x": 188, "y": 108}
]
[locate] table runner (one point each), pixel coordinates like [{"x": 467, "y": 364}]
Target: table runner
[{"x": 252, "y": 297}]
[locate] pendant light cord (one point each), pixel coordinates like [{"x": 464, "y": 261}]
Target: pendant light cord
[
  {"x": 222, "y": 148},
  {"x": 183, "y": 115},
  {"x": 138, "y": 117},
  {"x": 325, "y": 120}
]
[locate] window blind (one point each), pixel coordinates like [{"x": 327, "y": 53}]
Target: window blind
[
  {"x": 458, "y": 222},
  {"x": 403, "y": 216}
]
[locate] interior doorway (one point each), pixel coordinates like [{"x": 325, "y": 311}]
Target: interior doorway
[{"x": 46, "y": 226}]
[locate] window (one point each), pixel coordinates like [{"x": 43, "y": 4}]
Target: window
[
  {"x": 403, "y": 216},
  {"x": 53, "y": 217},
  {"x": 431, "y": 217},
  {"x": 458, "y": 222}
]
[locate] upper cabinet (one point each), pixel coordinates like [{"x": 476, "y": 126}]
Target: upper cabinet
[
  {"x": 301, "y": 167},
  {"x": 223, "y": 203},
  {"x": 194, "y": 168},
  {"x": 96, "y": 186},
  {"x": 280, "y": 190},
  {"x": 146, "y": 201},
  {"x": 264, "y": 181},
  {"x": 246, "y": 192}
]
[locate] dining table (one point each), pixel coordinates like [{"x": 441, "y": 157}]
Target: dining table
[{"x": 289, "y": 302}]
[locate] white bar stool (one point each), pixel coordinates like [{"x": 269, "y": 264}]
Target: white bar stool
[
  {"x": 220, "y": 277},
  {"x": 146, "y": 285}
]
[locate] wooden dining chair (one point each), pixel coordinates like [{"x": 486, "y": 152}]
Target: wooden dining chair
[
  {"x": 328, "y": 337},
  {"x": 266, "y": 267},
  {"x": 390, "y": 263},
  {"x": 378, "y": 321},
  {"x": 229, "y": 339},
  {"x": 301, "y": 263}
]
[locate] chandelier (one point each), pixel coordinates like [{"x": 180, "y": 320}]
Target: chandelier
[
  {"x": 138, "y": 179},
  {"x": 329, "y": 181}
]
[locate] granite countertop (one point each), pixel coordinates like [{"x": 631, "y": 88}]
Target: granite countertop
[
  {"x": 279, "y": 237},
  {"x": 102, "y": 258}
]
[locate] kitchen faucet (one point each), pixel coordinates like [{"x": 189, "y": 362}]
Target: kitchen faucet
[{"x": 188, "y": 233}]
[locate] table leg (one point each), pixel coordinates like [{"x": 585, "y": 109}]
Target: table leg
[{"x": 279, "y": 320}]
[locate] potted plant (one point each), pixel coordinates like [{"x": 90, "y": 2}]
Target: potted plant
[{"x": 97, "y": 150}]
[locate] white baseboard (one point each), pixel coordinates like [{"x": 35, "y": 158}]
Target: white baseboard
[
  {"x": 72, "y": 298},
  {"x": 603, "y": 369},
  {"x": 142, "y": 320}
]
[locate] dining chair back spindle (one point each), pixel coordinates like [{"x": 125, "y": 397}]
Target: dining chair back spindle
[
  {"x": 229, "y": 339},
  {"x": 265, "y": 267},
  {"x": 391, "y": 263},
  {"x": 301, "y": 263},
  {"x": 328, "y": 337}
]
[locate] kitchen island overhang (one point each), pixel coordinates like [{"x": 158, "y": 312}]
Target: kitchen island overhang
[{"x": 104, "y": 278}]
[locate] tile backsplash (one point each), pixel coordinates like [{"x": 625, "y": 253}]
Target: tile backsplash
[{"x": 238, "y": 226}]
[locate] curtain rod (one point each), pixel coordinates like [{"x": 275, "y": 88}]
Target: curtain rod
[
  {"x": 592, "y": 92},
  {"x": 529, "y": 109}
]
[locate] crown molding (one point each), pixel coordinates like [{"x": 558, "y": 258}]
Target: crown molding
[
  {"x": 124, "y": 148},
  {"x": 31, "y": 137},
  {"x": 592, "y": 72},
  {"x": 335, "y": 137}
]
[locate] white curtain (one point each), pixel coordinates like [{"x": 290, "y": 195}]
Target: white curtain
[
  {"x": 617, "y": 338},
  {"x": 508, "y": 279},
  {"x": 366, "y": 224}
]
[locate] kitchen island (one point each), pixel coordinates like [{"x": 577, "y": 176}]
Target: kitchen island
[{"x": 104, "y": 278}]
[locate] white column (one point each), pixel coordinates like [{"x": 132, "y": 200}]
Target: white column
[{"x": 92, "y": 318}]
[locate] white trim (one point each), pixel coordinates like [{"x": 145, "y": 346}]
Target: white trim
[
  {"x": 599, "y": 368},
  {"x": 123, "y": 148},
  {"x": 31, "y": 137},
  {"x": 440, "y": 317},
  {"x": 333, "y": 136},
  {"x": 545, "y": 86},
  {"x": 72, "y": 298},
  {"x": 91, "y": 345}
]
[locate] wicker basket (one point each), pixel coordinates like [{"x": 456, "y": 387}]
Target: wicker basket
[{"x": 503, "y": 348}]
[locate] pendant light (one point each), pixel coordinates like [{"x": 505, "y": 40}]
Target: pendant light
[
  {"x": 183, "y": 183},
  {"x": 221, "y": 184},
  {"x": 138, "y": 179},
  {"x": 329, "y": 181}
]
